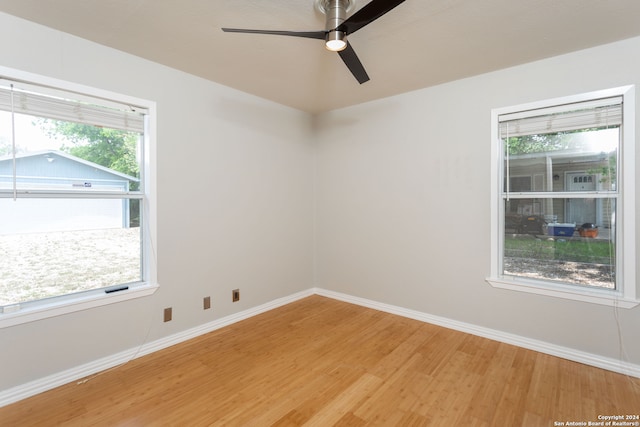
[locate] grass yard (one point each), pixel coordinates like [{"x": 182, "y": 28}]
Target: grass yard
[
  {"x": 41, "y": 265},
  {"x": 587, "y": 262},
  {"x": 578, "y": 250}
]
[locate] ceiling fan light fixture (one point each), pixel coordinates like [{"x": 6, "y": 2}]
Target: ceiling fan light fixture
[
  {"x": 337, "y": 27},
  {"x": 336, "y": 41}
]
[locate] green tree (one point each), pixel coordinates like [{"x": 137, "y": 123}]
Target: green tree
[
  {"x": 543, "y": 143},
  {"x": 548, "y": 142},
  {"x": 5, "y": 146},
  {"x": 539, "y": 143},
  {"x": 111, "y": 148},
  {"x": 607, "y": 171}
]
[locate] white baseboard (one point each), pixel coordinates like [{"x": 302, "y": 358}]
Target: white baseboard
[
  {"x": 93, "y": 368},
  {"x": 83, "y": 372},
  {"x": 221, "y": 323},
  {"x": 615, "y": 365}
]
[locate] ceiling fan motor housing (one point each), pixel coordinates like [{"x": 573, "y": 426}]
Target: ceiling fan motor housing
[
  {"x": 336, "y": 14},
  {"x": 323, "y": 5}
]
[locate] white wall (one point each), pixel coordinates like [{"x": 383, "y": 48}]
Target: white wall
[
  {"x": 234, "y": 206},
  {"x": 403, "y": 188}
]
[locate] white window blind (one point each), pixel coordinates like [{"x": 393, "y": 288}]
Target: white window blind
[
  {"x": 40, "y": 102},
  {"x": 591, "y": 114}
]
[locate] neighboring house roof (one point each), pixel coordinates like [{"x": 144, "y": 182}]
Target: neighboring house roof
[
  {"x": 61, "y": 154},
  {"x": 560, "y": 157}
]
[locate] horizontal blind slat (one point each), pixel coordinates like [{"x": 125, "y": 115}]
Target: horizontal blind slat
[
  {"x": 71, "y": 110},
  {"x": 600, "y": 113}
]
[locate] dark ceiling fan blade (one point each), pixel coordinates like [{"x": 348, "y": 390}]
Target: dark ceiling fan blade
[
  {"x": 372, "y": 11},
  {"x": 354, "y": 65},
  {"x": 306, "y": 34}
]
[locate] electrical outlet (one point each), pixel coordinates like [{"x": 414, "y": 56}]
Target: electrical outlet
[
  {"x": 206, "y": 303},
  {"x": 235, "y": 295},
  {"x": 167, "y": 314}
]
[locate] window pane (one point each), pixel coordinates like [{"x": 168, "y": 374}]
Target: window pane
[
  {"x": 66, "y": 156},
  {"x": 584, "y": 160},
  {"x": 567, "y": 240},
  {"x": 52, "y": 247}
]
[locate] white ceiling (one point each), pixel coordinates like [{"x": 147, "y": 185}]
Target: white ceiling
[{"x": 418, "y": 44}]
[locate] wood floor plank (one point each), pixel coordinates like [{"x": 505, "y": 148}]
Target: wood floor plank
[
  {"x": 345, "y": 402},
  {"x": 321, "y": 362},
  {"x": 514, "y": 395}
]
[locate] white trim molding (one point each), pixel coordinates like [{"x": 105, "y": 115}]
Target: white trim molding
[
  {"x": 85, "y": 372},
  {"x": 615, "y": 365},
  {"x": 624, "y": 233},
  {"x": 29, "y": 311},
  {"x": 73, "y": 303}
]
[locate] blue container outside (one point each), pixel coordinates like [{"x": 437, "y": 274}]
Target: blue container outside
[{"x": 561, "y": 229}]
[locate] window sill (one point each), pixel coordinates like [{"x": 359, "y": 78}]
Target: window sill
[
  {"x": 590, "y": 296},
  {"x": 68, "y": 305}
]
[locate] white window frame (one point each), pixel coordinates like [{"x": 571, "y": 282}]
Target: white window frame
[
  {"x": 625, "y": 294},
  {"x": 36, "y": 310}
]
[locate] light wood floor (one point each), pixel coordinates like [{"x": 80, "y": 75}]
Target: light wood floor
[{"x": 321, "y": 362}]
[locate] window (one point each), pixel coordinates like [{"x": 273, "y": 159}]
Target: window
[
  {"x": 76, "y": 201},
  {"x": 563, "y": 197}
]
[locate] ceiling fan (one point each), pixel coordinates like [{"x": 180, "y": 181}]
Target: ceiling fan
[{"x": 338, "y": 26}]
